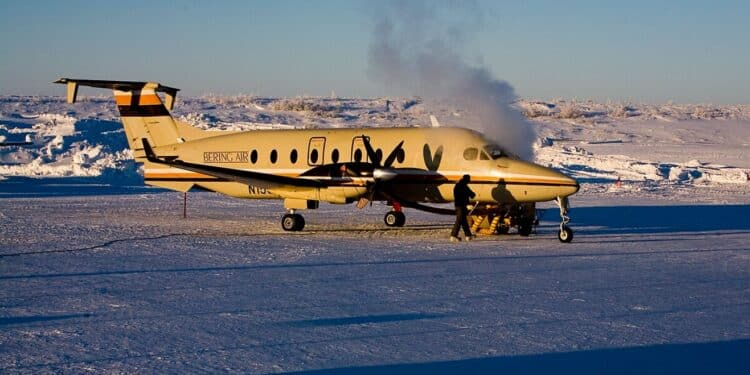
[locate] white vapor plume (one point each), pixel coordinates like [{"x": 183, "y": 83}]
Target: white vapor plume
[{"x": 416, "y": 48}]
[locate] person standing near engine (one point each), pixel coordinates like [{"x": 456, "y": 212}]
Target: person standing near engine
[{"x": 461, "y": 196}]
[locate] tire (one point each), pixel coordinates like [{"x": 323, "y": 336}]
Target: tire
[
  {"x": 394, "y": 219},
  {"x": 525, "y": 229},
  {"x": 565, "y": 235},
  {"x": 292, "y": 222},
  {"x": 300, "y": 222}
]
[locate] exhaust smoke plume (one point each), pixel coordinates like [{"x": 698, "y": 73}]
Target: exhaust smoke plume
[{"x": 416, "y": 49}]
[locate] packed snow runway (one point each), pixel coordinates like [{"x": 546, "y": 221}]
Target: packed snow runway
[{"x": 121, "y": 282}]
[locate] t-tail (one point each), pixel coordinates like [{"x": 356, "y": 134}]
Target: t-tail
[{"x": 142, "y": 112}]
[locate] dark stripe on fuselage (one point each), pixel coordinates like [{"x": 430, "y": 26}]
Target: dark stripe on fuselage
[
  {"x": 142, "y": 110},
  {"x": 334, "y": 183},
  {"x": 203, "y": 179},
  {"x": 327, "y": 183},
  {"x": 522, "y": 183}
]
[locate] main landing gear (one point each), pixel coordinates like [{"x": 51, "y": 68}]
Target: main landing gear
[
  {"x": 292, "y": 222},
  {"x": 395, "y": 217},
  {"x": 565, "y": 234}
]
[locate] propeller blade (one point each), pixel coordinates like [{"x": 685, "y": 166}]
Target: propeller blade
[
  {"x": 370, "y": 151},
  {"x": 362, "y": 203},
  {"x": 393, "y": 155}
]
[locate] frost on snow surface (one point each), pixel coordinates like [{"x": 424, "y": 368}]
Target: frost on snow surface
[{"x": 101, "y": 274}]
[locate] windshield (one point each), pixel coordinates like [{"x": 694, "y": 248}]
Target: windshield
[{"x": 495, "y": 152}]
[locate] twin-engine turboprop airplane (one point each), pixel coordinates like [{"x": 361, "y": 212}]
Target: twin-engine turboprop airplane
[{"x": 406, "y": 167}]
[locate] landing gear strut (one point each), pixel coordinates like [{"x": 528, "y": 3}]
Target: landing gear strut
[
  {"x": 565, "y": 234},
  {"x": 396, "y": 217},
  {"x": 292, "y": 222}
]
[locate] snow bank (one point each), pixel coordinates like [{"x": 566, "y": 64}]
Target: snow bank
[
  {"x": 62, "y": 146},
  {"x": 584, "y": 165},
  {"x": 613, "y": 111}
]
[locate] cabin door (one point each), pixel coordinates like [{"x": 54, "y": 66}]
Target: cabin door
[{"x": 316, "y": 151}]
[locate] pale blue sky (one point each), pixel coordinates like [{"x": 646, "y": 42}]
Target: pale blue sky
[{"x": 652, "y": 51}]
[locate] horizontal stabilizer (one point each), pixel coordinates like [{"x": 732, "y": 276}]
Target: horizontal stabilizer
[{"x": 127, "y": 86}]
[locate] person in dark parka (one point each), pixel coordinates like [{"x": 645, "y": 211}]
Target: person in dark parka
[{"x": 461, "y": 196}]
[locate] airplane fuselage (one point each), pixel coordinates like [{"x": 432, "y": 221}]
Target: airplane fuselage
[{"x": 433, "y": 159}]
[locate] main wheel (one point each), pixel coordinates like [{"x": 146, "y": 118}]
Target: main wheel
[
  {"x": 292, "y": 222},
  {"x": 565, "y": 234},
  {"x": 300, "y": 222},
  {"x": 525, "y": 229},
  {"x": 395, "y": 219}
]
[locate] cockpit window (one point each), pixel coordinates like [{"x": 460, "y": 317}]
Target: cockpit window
[
  {"x": 495, "y": 152},
  {"x": 483, "y": 156},
  {"x": 471, "y": 153}
]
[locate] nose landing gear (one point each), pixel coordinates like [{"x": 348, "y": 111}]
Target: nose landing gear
[
  {"x": 565, "y": 234},
  {"x": 395, "y": 218}
]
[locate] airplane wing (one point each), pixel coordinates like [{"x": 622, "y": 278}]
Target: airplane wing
[{"x": 263, "y": 180}]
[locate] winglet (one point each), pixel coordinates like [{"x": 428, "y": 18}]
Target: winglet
[{"x": 72, "y": 89}]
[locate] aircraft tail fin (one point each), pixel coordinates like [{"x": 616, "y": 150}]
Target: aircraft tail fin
[{"x": 142, "y": 111}]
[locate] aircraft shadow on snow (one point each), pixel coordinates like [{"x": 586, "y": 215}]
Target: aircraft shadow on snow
[
  {"x": 12, "y": 320},
  {"x": 725, "y": 357},
  {"x": 624, "y": 220}
]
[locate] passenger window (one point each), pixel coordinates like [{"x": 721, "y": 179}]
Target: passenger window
[
  {"x": 314, "y": 156},
  {"x": 471, "y": 153},
  {"x": 254, "y": 156},
  {"x": 357, "y": 155},
  {"x": 335, "y": 155},
  {"x": 293, "y": 156},
  {"x": 274, "y": 156},
  {"x": 401, "y": 156}
]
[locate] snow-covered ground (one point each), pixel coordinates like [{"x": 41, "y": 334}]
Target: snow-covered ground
[
  {"x": 122, "y": 283},
  {"x": 100, "y": 274}
]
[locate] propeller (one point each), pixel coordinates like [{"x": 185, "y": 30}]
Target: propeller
[
  {"x": 381, "y": 172},
  {"x": 376, "y": 158}
]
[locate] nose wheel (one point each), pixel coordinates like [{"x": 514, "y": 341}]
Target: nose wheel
[
  {"x": 565, "y": 234},
  {"x": 395, "y": 219},
  {"x": 292, "y": 222}
]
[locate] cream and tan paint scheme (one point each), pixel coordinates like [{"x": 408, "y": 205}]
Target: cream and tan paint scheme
[{"x": 407, "y": 167}]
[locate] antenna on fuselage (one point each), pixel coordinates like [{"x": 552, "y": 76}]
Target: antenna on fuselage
[{"x": 434, "y": 121}]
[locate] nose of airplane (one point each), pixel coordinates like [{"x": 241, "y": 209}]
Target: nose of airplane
[
  {"x": 557, "y": 183},
  {"x": 567, "y": 185}
]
